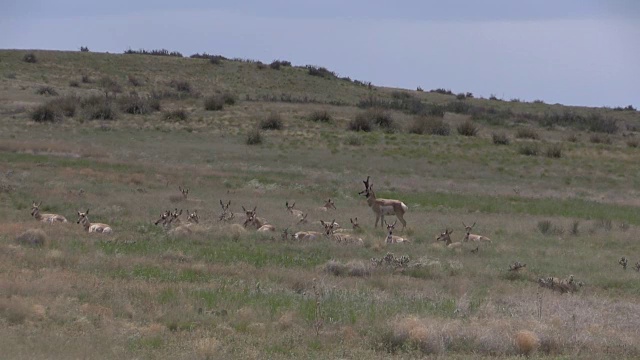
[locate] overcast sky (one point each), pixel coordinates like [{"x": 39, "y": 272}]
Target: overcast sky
[{"x": 578, "y": 52}]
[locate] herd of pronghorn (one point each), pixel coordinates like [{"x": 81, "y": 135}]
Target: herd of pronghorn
[{"x": 170, "y": 220}]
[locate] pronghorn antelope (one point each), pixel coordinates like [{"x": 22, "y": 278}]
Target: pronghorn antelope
[
  {"x": 382, "y": 207},
  {"x": 446, "y": 237},
  {"x": 260, "y": 223},
  {"x": 92, "y": 227},
  {"x": 49, "y": 218},
  {"x": 563, "y": 285},
  {"x": 165, "y": 217},
  {"x": 516, "y": 266},
  {"x": 636, "y": 267},
  {"x": 473, "y": 237},
  {"x": 308, "y": 235},
  {"x": 192, "y": 217},
  {"x": 329, "y": 204},
  {"x": 329, "y": 231},
  {"x": 295, "y": 212},
  {"x": 184, "y": 193},
  {"x": 174, "y": 219},
  {"x": 226, "y": 214},
  {"x": 393, "y": 239},
  {"x": 303, "y": 219},
  {"x": 623, "y": 261},
  {"x": 355, "y": 227}
]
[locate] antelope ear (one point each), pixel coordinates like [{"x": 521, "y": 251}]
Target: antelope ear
[
  {"x": 221, "y": 202},
  {"x": 243, "y": 209}
]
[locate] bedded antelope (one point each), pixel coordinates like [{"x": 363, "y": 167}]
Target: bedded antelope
[
  {"x": 329, "y": 204},
  {"x": 393, "y": 239},
  {"x": 473, "y": 237},
  {"x": 226, "y": 215},
  {"x": 329, "y": 231},
  {"x": 192, "y": 217},
  {"x": 355, "y": 227},
  {"x": 184, "y": 194},
  {"x": 295, "y": 212},
  {"x": 308, "y": 235},
  {"x": 260, "y": 223},
  {"x": 83, "y": 219},
  {"x": 382, "y": 207},
  {"x": 446, "y": 237},
  {"x": 48, "y": 218}
]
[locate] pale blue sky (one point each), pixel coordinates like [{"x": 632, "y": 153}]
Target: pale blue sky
[{"x": 579, "y": 52}]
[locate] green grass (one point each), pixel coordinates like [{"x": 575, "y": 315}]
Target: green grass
[{"x": 224, "y": 292}]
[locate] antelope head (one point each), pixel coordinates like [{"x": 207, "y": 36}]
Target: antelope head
[
  {"x": 355, "y": 225},
  {"x": 290, "y": 208},
  {"x": 82, "y": 217},
  {"x": 329, "y": 204},
  {"x": 184, "y": 191},
  {"x": 468, "y": 228},
  {"x": 35, "y": 207},
  {"x": 303, "y": 219},
  {"x": 328, "y": 227},
  {"x": 445, "y": 236},
  {"x": 390, "y": 227},
  {"x": 163, "y": 217},
  {"x": 225, "y": 207},
  {"x": 192, "y": 217},
  {"x": 367, "y": 188}
]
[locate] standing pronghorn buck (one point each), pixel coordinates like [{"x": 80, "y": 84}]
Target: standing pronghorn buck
[
  {"x": 48, "y": 218},
  {"x": 83, "y": 219},
  {"x": 329, "y": 231},
  {"x": 393, "y": 239},
  {"x": 382, "y": 207},
  {"x": 473, "y": 237}
]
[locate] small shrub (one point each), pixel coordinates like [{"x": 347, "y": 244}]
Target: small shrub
[
  {"x": 430, "y": 125},
  {"x": 214, "y": 103},
  {"x": 66, "y": 105},
  {"x": 74, "y": 83},
  {"x": 381, "y": 118},
  {"x": 254, "y": 137},
  {"x": 360, "y": 123},
  {"x": 600, "y": 139},
  {"x": 229, "y": 98},
  {"x": 320, "y": 72},
  {"x": 554, "y": 151},
  {"x": 500, "y": 139},
  {"x": 461, "y": 96},
  {"x": 86, "y": 79},
  {"x": 134, "y": 81},
  {"x": 354, "y": 140},
  {"x": 272, "y": 122},
  {"x": 442, "y": 91},
  {"x": 216, "y": 59},
  {"x": 528, "y": 149},
  {"x": 419, "y": 89},
  {"x": 546, "y": 227},
  {"x": 109, "y": 85},
  {"x": 46, "y": 113},
  {"x": 277, "y": 64},
  {"x": 98, "y": 108},
  {"x": 320, "y": 116},
  {"x": 458, "y": 107},
  {"x": 181, "y": 86},
  {"x": 574, "y": 228},
  {"x": 32, "y": 237},
  {"x": 467, "y": 128},
  {"x": 527, "y": 133},
  {"x": 261, "y": 66},
  {"x": 632, "y": 143},
  {"x": 30, "y": 58},
  {"x": 138, "y": 105},
  {"x": 493, "y": 97},
  {"x": 572, "y": 138},
  {"x": 84, "y": 49},
  {"x": 515, "y": 100},
  {"x": 176, "y": 115},
  {"x": 538, "y": 101},
  {"x": 46, "y": 91}
]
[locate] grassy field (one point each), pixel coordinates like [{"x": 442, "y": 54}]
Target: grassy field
[{"x": 222, "y": 291}]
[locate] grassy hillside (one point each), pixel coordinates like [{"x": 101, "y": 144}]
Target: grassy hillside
[{"x": 554, "y": 187}]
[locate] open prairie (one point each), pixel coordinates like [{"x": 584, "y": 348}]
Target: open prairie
[{"x": 553, "y": 187}]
